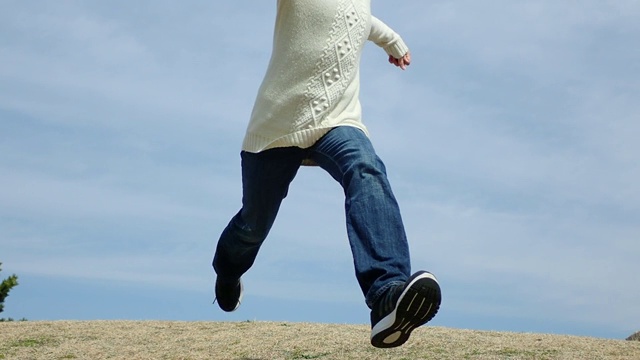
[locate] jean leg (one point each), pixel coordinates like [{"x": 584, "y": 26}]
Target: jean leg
[
  {"x": 374, "y": 224},
  {"x": 265, "y": 182}
]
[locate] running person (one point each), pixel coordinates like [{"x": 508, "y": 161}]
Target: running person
[{"x": 308, "y": 112}]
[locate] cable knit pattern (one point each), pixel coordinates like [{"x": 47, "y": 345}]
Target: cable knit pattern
[
  {"x": 312, "y": 83},
  {"x": 335, "y": 69}
]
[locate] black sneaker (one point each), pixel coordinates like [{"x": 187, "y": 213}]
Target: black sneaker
[
  {"x": 404, "y": 308},
  {"x": 228, "y": 294}
]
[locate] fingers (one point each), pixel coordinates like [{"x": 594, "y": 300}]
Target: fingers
[
  {"x": 403, "y": 62},
  {"x": 407, "y": 58}
]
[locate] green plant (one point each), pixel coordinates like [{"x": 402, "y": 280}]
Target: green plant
[{"x": 5, "y": 287}]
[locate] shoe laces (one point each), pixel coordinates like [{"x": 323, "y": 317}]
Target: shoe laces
[{"x": 387, "y": 302}]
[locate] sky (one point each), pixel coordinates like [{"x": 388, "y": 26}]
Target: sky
[{"x": 510, "y": 142}]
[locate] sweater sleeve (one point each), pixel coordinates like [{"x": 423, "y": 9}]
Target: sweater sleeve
[{"x": 383, "y": 36}]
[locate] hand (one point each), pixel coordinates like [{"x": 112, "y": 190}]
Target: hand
[{"x": 403, "y": 62}]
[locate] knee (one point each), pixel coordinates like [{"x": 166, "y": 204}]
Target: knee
[
  {"x": 367, "y": 165},
  {"x": 246, "y": 233},
  {"x": 240, "y": 232}
]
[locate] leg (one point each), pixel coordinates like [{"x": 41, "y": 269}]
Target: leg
[
  {"x": 265, "y": 182},
  {"x": 398, "y": 303},
  {"x": 374, "y": 225}
]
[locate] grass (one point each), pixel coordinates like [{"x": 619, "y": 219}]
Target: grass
[{"x": 288, "y": 341}]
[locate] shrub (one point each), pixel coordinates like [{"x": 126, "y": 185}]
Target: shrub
[{"x": 5, "y": 287}]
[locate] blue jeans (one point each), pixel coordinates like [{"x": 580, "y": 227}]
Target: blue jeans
[{"x": 374, "y": 225}]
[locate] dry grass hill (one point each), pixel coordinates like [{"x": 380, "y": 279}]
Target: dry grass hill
[{"x": 268, "y": 340}]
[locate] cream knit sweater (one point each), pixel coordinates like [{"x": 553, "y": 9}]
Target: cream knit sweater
[{"x": 312, "y": 83}]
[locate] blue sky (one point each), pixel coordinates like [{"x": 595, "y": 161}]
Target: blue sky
[{"x": 511, "y": 144}]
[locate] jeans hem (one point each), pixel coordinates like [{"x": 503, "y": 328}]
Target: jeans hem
[{"x": 372, "y": 300}]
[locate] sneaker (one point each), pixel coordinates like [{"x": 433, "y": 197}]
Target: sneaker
[
  {"x": 228, "y": 294},
  {"x": 404, "y": 308}
]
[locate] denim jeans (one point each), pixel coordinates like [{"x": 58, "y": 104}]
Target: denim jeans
[{"x": 374, "y": 225}]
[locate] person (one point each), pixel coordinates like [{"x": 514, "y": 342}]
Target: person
[{"x": 308, "y": 112}]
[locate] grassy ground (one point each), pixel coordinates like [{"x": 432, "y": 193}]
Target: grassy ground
[{"x": 268, "y": 340}]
